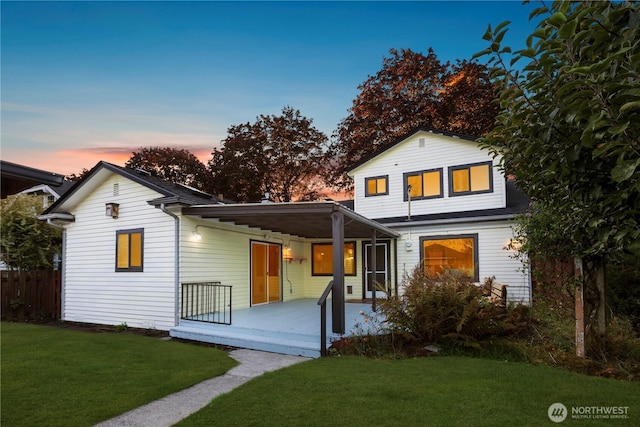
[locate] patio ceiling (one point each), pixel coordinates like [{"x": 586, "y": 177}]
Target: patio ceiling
[{"x": 303, "y": 219}]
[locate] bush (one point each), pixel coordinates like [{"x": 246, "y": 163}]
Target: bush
[
  {"x": 460, "y": 318},
  {"x": 449, "y": 308},
  {"x": 552, "y": 340},
  {"x": 623, "y": 288}
]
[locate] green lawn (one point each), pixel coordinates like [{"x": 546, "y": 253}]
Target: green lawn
[
  {"x": 437, "y": 391},
  {"x": 58, "y": 377}
]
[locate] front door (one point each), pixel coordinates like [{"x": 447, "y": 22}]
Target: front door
[
  {"x": 266, "y": 262},
  {"x": 382, "y": 272}
]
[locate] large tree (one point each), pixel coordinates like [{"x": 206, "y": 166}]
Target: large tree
[
  {"x": 173, "y": 164},
  {"x": 27, "y": 243},
  {"x": 277, "y": 154},
  {"x": 412, "y": 90},
  {"x": 569, "y": 126}
]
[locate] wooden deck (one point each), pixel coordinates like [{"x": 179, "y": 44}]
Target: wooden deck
[{"x": 287, "y": 327}]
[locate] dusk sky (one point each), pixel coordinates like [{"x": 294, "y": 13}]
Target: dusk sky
[{"x": 89, "y": 81}]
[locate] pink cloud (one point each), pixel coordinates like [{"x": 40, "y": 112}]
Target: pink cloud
[{"x": 72, "y": 161}]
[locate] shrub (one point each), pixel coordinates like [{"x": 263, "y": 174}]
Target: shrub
[
  {"x": 449, "y": 308},
  {"x": 552, "y": 340}
]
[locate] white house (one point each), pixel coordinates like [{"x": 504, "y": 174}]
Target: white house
[
  {"x": 154, "y": 254},
  {"x": 48, "y": 193},
  {"x": 449, "y": 202}
]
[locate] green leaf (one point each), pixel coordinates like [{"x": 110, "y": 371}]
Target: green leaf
[
  {"x": 481, "y": 53},
  {"x": 568, "y": 29},
  {"x": 557, "y": 19},
  {"x": 617, "y": 130},
  {"x": 502, "y": 25},
  {"x": 581, "y": 70},
  {"x": 633, "y": 105},
  {"x": 538, "y": 11},
  {"x": 601, "y": 149},
  {"x": 488, "y": 34},
  {"x": 540, "y": 33},
  {"x": 500, "y": 35},
  {"x": 625, "y": 170}
]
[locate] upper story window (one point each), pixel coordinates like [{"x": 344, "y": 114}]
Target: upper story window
[
  {"x": 129, "y": 249},
  {"x": 49, "y": 199},
  {"x": 376, "y": 186},
  {"x": 425, "y": 184},
  {"x": 470, "y": 179}
]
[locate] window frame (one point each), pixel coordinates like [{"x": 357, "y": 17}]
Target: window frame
[
  {"x": 405, "y": 184},
  {"x": 313, "y": 258},
  {"x": 473, "y": 236},
  {"x": 130, "y": 232},
  {"x": 468, "y": 167},
  {"x": 377, "y": 193}
]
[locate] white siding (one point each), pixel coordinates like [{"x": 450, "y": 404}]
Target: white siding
[
  {"x": 94, "y": 291},
  {"x": 428, "y": 151},
  {"x": 223, "y": 254},
  {"x": 493, "y": 257},
  {"x": 436, "y": 151}
]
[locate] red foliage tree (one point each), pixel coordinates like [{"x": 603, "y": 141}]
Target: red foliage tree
[{"x": 410, "y": 91}]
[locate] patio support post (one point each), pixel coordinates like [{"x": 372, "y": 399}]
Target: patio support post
[
  {"x": 374, "y": 268},
  {"x": 337, "y": 301}
]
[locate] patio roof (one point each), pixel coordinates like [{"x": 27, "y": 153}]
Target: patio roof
[{"x": 303, "y": 219}]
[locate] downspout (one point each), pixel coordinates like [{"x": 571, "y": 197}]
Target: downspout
[{"x": 176, "y": 263}]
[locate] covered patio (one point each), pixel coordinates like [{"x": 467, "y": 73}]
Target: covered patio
[{"x": 292, "y": 327}]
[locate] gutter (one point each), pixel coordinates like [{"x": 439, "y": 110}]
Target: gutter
[
  {"x": 448, "y": 221},
  {"x": 176, "y": 263},
  {"x": 57, "y": 216}
]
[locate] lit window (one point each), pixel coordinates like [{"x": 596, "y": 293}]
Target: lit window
[
  {"x": 322, "y": 259},
  {"x": 129, "y": 250},
  {"x": 376, "y": 186},
  {"x": 450, "y": 254},
  {"x": 469, "y": 179},
  {"x": 423, "y": 184}
]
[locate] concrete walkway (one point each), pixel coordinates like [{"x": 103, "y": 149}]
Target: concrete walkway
[{"x": 170, "y": 409}]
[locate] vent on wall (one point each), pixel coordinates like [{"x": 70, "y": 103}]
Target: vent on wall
[
  {"x": 116, "y": 189},
  {"x": 421, "y": 142}
]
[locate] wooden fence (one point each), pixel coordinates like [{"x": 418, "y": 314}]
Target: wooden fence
[{"x": 30, "y": 295}]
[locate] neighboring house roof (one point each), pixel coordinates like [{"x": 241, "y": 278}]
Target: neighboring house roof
[
  {"x": 517, "y": 202},
  {"x": 16, "y": 178},
  {"x": 376, "y": 153},
  {"x": 57, "y": 192},
  {"x": 172, "y": 193}
]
